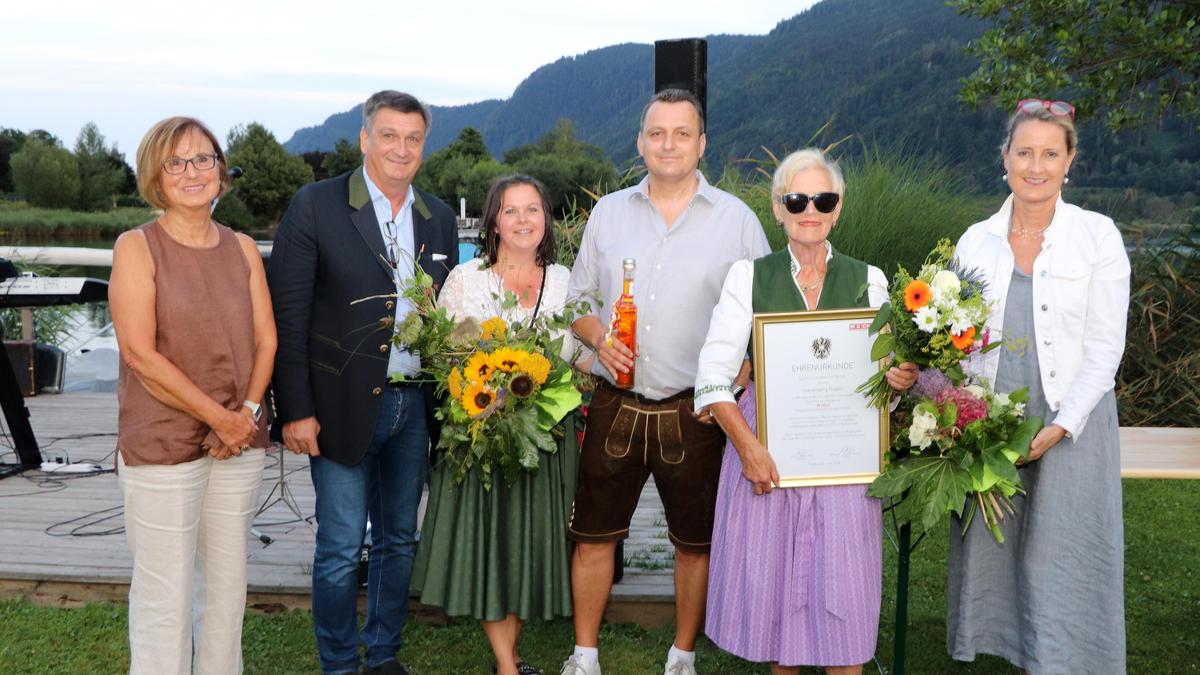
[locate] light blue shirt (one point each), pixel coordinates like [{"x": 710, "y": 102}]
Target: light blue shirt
[{"x": 400, "y": 242}]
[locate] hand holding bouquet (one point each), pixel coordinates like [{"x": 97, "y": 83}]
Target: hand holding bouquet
[
  {"x": 505, "y": 387},
  {"x": 958, "y": 441},
  {"x": 934, "y": 320}
]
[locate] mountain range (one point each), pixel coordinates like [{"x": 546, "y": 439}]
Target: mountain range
[{"x": 880, "y": 72}]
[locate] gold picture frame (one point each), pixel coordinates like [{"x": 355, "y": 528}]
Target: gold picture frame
[{"x": 817, "y": 383}]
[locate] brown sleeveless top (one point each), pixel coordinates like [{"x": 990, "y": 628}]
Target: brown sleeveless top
[{"x": 205, "y": 326}]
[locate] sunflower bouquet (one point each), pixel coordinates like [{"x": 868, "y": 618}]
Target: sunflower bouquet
[
  {"x": 506, "y": 394},
  {"x": 504, "y": 388},
  {"x": 955, "y": 448},
  {"x": 935, "y": 319}
]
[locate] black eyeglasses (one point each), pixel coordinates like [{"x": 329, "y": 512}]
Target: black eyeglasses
[
  {"x": 177, "y": 165},
  {"x": 393, "y": 244},
  {"x": 797, "y": 202}
]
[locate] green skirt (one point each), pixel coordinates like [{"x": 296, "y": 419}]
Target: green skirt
[{"x": 487, "y": 554}]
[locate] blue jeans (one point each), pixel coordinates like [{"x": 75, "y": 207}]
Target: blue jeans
[{"x": 387, "y": 485}]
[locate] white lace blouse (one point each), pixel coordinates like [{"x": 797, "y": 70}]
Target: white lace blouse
[{"x": 472, "y": 290}]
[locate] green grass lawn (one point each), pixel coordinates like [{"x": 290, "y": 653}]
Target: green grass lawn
[{"x": 1162, "y": 608}]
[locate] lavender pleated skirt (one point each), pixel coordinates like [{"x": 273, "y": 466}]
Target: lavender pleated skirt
[{"x": 795, "y": 575}]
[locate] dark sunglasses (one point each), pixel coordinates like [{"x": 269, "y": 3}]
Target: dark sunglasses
[{"x": 796, "y": 202}]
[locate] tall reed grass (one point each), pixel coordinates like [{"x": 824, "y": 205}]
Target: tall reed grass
[
  {"x": 19, "y": 220},
  {"x": 896, "y": 207},
  {"x": 1159, "y": 380}
]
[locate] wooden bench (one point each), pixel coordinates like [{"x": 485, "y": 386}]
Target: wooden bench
[{"x": 1160, "y": 452}]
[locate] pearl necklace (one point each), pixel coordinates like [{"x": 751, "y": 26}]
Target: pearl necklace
[{"x": 1028, "y": 233}]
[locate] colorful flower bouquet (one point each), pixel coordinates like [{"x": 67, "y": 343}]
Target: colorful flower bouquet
[
  {"x": 934, "y": 320},
  {"x": 504, "y": 388},
  {"x": 956, "y": 447}
]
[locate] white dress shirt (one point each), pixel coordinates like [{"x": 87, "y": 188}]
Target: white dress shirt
[
  {"x": 400, "y": 239},
  {"x": 680, "y": 267}
]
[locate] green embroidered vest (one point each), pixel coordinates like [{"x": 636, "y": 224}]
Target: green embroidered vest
[{"x": 774, "y": 289}]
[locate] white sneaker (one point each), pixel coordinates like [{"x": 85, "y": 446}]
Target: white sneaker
[
  {"x": 576, "y": 665},
  {"x": 679, "y": 668}
]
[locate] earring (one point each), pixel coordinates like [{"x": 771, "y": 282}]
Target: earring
[
  {"x": 1066, "y": 179},
  {"x": 1004, "y": 177}
]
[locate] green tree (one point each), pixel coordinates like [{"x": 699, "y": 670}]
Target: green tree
[
  {"x": 11, "y": 141},
  {"x": 99, "y": 180},
  {"x": 451, "y": 173},
  {"x": 346, "y": 155},
  {"x": 270, "y": 175},
  {"x": 45, "y": 174},
  {"x": 1136, "y": 60},
  {"x": 570, "y": 168}
]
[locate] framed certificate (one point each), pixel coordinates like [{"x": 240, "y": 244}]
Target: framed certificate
[{"x": 817, "y": 428}]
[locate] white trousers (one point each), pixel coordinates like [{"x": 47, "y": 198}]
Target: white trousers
[{"x": 187, "y": 527}]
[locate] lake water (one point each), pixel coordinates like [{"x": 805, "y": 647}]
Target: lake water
[{"x": 92, "y": 356}]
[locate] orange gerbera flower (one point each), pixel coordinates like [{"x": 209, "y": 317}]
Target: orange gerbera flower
[
  {"x": 916, "y": 295},
  {"x": 964, "y": 339}
]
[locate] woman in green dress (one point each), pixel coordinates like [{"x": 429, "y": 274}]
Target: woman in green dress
[{"x": 501, "y": 555}]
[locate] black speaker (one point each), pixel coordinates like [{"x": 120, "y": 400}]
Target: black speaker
[{"x": 683, "y": 64}]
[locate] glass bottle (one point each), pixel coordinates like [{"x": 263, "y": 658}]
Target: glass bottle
[{"x": 624, "y": 326}]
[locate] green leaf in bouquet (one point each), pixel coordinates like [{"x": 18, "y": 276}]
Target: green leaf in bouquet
[
  {"x": 936, "y": 486},
  {"x": 990, "y": 346},
  {"x": 1022, "y": 436},
  {"x": 948, "y": 414},
  {"x": 885, "y": 343},
  {"x": 881, "y": 319},
  {"x": 955, "y": 373},
  {"x": 555, "y": 399},
  {"x": 1019, "y": 396},
  {"x": 894, "y": 481},
  {"x": 1000, "y": 464}
]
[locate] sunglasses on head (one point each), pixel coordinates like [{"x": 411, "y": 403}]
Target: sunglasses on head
[
  {"x": 797, "y": 202},
  {"x": 1059, "y": 108}
]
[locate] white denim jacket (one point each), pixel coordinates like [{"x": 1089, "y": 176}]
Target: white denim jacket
[{"x": 1080, "y": 302}]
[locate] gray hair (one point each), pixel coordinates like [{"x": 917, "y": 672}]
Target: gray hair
[
  {"x": 398, "y": 101},
  {"x": 673, "y": 96},
  {"x": 1043, "y": 114},
  {"x": 802, "y": 160}
]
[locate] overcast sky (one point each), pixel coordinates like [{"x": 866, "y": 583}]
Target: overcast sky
[{"x": 126, "y": 64}]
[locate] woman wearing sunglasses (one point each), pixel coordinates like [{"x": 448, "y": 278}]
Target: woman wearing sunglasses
[
  {"x": 1050, "y": 599},
  {"x": 795, "y": 574}
]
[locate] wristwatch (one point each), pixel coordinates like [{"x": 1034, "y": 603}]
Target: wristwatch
[{"x": 255, "y": 409}]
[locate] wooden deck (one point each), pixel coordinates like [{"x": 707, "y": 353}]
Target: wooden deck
[{"x": 61, "y": 543}]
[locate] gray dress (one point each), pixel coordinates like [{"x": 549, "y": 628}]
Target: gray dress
[{"x": 1051, "y": 598}]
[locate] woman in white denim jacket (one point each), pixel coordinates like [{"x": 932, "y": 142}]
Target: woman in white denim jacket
[{"x": 1050, "y": 599}]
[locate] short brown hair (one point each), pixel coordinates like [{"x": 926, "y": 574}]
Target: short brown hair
[
  {"x": 158, "y": 144},
  {"x": 673, "y": 96}
]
